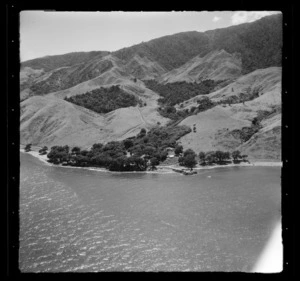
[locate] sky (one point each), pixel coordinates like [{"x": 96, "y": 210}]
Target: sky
[{"x": 44, "y": 33}]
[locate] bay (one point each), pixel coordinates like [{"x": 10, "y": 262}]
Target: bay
[{"x": 83, "y": 220}]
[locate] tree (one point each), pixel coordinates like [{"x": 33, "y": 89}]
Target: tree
[
  {"x": 84, "y": 152},
  {"x": 75, "y": 150},
  {"x": 59, "y": 154},
  {"x": 142, "y": 133},
  {"x": 189, "y": 161},
  {"x": 202, "y": 157},
  {"x": 28, "y": 147},
  {"x": 236, "y": 155},
  {"x": 81, "y": 160},
  {"x": 255, "y": 121},
  {"x": 163, "y": 155},
  {"x": 178, "y": 150},
  {"x": 219, "y": 155},
  {"x": 154, "y": 162},
  {"x": 189, "y": 151},
  {"x": 210, "y": 157},
  {"x": 128, "y": 143},
  {"x": 97, "y": 147},
  {"x": 244, "y": 156}
]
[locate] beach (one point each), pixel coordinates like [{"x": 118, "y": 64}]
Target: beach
[{"x": 161, "y": 169}]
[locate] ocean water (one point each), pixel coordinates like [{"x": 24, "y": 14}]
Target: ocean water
[{"x": 74, "y": 220}]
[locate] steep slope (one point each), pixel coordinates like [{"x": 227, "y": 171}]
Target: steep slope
[
  {"x": 216, "y": 65},
  {"x": 215, "y": 128}
]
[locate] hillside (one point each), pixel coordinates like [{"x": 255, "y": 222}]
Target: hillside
[
  {"x": 51, "y": 121},
  {"x": 215, "y": 128},
  {"x": 251, "y": 46},
  {"x": 240, "y": 64},
  {"x": 259, "y": 43},
  {"x": 49, "y": 63},
  {"x": 216, "y": 65}
]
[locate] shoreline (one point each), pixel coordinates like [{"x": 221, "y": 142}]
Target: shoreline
[{"x": 161, "y": 169}]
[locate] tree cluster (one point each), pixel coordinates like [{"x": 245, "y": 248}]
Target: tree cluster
[
  {"x": 220, "y": 157},
  {"x": 104, "y": 100},
  {"x": 188, "y": 158},
  {"x": 147, "y": 149},
  {"x": 177, "y": 92}
]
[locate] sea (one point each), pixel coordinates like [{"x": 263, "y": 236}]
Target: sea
[{"x": 81, "y": 220}]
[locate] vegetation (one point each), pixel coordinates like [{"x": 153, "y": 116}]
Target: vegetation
[
  {"x": 146, "y": 150},
  {"x": 178, "y": 150},
  {"x": 236, "y": 155},
  {"x": 242, "y": 97},
  {"x": 175, "y": 93},
  {"x": 246, "y": 133},
  {"x": 43, "y": 150},
  {"x": 104, "y": 100},
  {"x": 220, "y": 157},
  {"x": 204, "y": 104},
  {"x": 188, "y": 159},
  {"x": 28, "y": 147}
]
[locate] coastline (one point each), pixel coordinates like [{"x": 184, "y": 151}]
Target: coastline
[{"x": 161, "y": 169}]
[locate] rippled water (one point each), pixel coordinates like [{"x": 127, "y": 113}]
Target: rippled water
[{"x": 81, "y": 220}]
